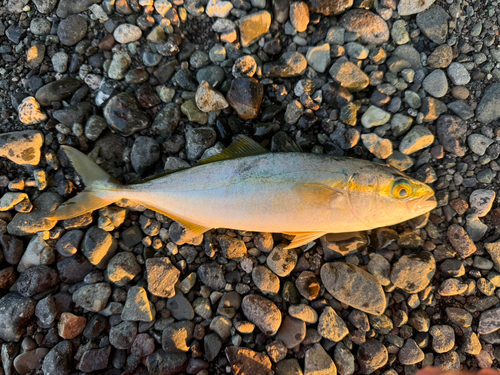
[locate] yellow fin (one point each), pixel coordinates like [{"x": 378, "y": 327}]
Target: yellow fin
[
  {"x": 192, "y": 229},
  {"x": 241, "y": 147},
  {"x": 303, "y": 238},
  {"x": 81, "y": 204},
  {"x": 317, "y": 193}
]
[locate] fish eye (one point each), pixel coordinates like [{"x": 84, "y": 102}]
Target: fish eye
[{"x": 401, "y": 189}]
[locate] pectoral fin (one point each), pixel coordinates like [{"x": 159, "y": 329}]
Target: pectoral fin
[
  {"x": 318, "y": 193},
  {"x": 303, "y": 238}
]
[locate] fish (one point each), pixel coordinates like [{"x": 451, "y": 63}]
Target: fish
[{"x": 248, "y": 188}]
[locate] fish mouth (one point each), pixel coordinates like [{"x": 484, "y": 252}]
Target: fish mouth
[{"x": 423, "y": 204}]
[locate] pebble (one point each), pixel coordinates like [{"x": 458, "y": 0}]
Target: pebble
[
  {"x": 380, "y": 147},
  {"x": 35, "y": 55},
  {"x": 177, "y": 337},
  {"x": 208, "y": 99},
  {"x": 331, "y": 326},
  {"x": 232, "y": 248},
  {"x": 374, "y": 116},
  {"x": 57, "y": 90},
  {"x": 443, "y": 338},
  {"x": 452, "y": 287},
  {"x": 30, "y": 360},
  {"x": 317, "y": 361},
  {"x": 123, "y": 114},
  {"x": 299, "y": 16},
  {"x": 349, "y": 75},
  {"x": 368, "y": 295},
  {"x": 410, "y": 353},
  {"x": 441, "y": 58},
  {"x": 263, "y": 313},
  {"x": 161, "y": 362},
  {"x": 303, "y": 312},
  {"x": 72, "y": 29},
  {"x": 198, "y": 140},
  {"x": 290, "y": 64},
  {"x": 144, "y": 155},
  {"x": 245, "y": 97},
  {"x": 119, "y": 65},
  {"x": 22, "y": 147},
  {"x": 478, "y": 143},
  {"x": 318, "y": 57},
  {"x": 122, "y": 268},
  {"x": 37, "y": 279},
  {"x": 418, "y": 138},
  {"x": 370, "y": 27},
  {"x": 70, "y": 325},
  {"x": 162, "y": 275},
  {"x": 137, "y": 307},
  {"x": 253, "y": 27},
  {"x": 37, "y": 253},
  {"x": 328, "y": 7},
  {"x": 488, "y": 109},
  {"x": 30, "y": 112},
  {"x": 15, "y": 313},
  {"x": 93, "y": 297},
  {"x": 292, "y": 332},
  {"x": 212, "y": 276},
  {"x": 246, "y": 361},
  {"x": 122, "y": 335},
  {"x": 217, "y": 8},
  {"x": 458, "y": 74},
  {"x": 245, "y": 66},
  {"x": 167, "y": 120},
  {"x": 451, "y": 132},
  {"x": 127, "y": 33},
  {"x": 265, "y": 280},
  {"x": 372, "y": 355},
  {"x": 459, "y": 316},
  {"x": 180, "y": 307},
  {"x": 433, "y": 23},
  {"x": 58, "y": 360},
  {"x": 489, "y": 321},
  {"x": 460, "y": 241},
  {"x": 413, "y": 273},
  {"x": 409, "y": 7},
  {"x": 282, "y": 261},
  {"x": 436, "y": 83}
]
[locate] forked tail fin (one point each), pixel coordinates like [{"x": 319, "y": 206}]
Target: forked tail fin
[{"x": 101, "y": 188}]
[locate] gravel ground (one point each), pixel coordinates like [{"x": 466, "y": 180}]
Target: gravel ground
[{"x": 147, "y": 86}]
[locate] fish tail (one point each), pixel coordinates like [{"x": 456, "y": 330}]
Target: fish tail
[{"x": 101, "y": 188}]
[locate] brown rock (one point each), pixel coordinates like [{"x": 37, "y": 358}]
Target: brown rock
[
  {"x": 246, "y": 362},
  {"x": 349, "y": 75},
  {"x": 461, "y": 241},
  {"x": 371, "y": 28},
  {"x": 299, "y": 16},
  {"x": 162, "y": 276},
  {"x": 245, "y": 97},
  {"x": 70, "y": 325},
  {"x": 263, "y": 313},
  {"x": 329, "y": 7},
  {"x": 441, "y": 57},
  {"x": 308, "y": 285},
  {"x": 107, "y": 43},
  {"x": 494, "y": 250},
  {"x": 254, "y": 26},
  {"x": 460, "y": 92}
]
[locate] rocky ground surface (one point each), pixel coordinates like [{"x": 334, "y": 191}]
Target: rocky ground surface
[{"x": 144, "y": 86}]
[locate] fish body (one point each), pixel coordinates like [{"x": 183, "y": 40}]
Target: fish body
[{"x": 248, "y": 188}]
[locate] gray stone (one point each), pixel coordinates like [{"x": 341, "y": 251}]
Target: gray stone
[
  {"x": 167, "y": 120},
  {"x": 71, "y": 30},
  {"x": 58, "y": 360},
  {"x": 443, "y": 338},
  {"x": 15, "y": 314},
  {"x": 354, "y": 286},
  {"x": 176, "y": 337},
  {"x": 161, "y": 363},
  {"x": 122, "y": 336},
  {"x": 98, "y": 247},
  {"x": 478, "y": 143},
  {"x": 459, "y": 76},
  {"x": 36, "y": 280},
  {"x": 433, "y": 23},
  {"x": 489, "y": 321},
  {"x": 410, "y": 353},
  {"x": 180, "y": 307},
  {"x": 436, "y": 83},
  {"x": 144, "y": 155},
  {"x": 488, "y": 109},
  {"x": 372, "y": 355},
  {"x": 263, "y": 313},
  {"x": 123, "y": 114},
  {"x": 318, "y": 57},
  {"x": 318, "y": 361},
  {"x": 93, "y": 297},
  {"x": 137, "y": 307},
  {"x": 198, "y": 140},
  {"x": 451, "y": 132},
  {"x": 370, "y": 27},
  {"x": 162, "y": 276}
]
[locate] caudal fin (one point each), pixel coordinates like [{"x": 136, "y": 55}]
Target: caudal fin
[{"x": 101, "y": 188}]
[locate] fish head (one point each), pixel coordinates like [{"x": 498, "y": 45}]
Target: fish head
[{"x": 387, "y": 197}]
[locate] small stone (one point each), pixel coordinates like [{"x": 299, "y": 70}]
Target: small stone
[
  {"x": 212, "y": 276},
  {"x": 162, "y": 275},
  {"x": 458, "y": 74},
  {"x": 265, "y": 280},
  {"x": 193, "y": 113},
  {"x": 349, "y": 75},
  {"x": 318, "y": 57},
  {"x": 436, "y": 83},
  {"x": 58, "y": 360},
  {"x": 122, "y": 336},
  {"x": 354, "y": 286},
  {"x": 198, "y": 140},
  {"x": 37, "y": 279},
  {"x": 304, "y": 313},
  {"x": 318, "y": 362},
  {"x": 418, "y": 138},
  {"x": 370, "y": 27},
  {"x": 460, "y": 241},
  {"x": 161, "y": 362},
  {"x": 246, "y": 361},
  {"x": 232, "y": 247},
  {"x": 22, "y": 147},
  {"x": 177, "y": 337},
  {"x": 292, "y": 332},
  {"x": 452, "y": 287},
  {"x": 70, "y": 325},
  {"x": 433, "y": 23},
  {"x": 35, "y": 55},
  {"x": 331, "y": 326},
  {"x": 374, "y": 116},
  {"x": 127, "y": 33},
  {"x": 122, "y": 268},
  {"x": 372, "y": 355},
  {"x": 409, "y": 7},
  {"x": 217, "y": 8},
  {"x": 245, "y": 97},
  {"x": 30, "y": 360},
  {"x": 208, "y": 99},
  {"x": 451, "y": 132},
  {"x": 15, "y": 314},
  {"x": 410, "y": 353},
  {"x": 413, "y": 273},
  {"x": 399, "y": 32},
  {"x": 290, "y": 64},
  {"x": 282, "y": 261},
  {"x": 254, "y": 26},
  {"x": 167, "y": 120},
  {"x": 72, "y": 29},
  {"x": 144, "y": 155},
  {"x": 299, "y": 16},
  {"x": 123, "y": 115},
  {"x": 489, "y": 321},
  {"x": 137, "y": 307},
  {"x": 180, "y": 307},
  {"x": 119, "y": 65},
  {"x": 441, "y": 58},
  {"x": 380, "y": 147},
  {"x": 263, "y": 313},
  {"x": 478, "y": 143},
  {"x": 93, "y": 297},
  {"x": 443, "y": 338}
]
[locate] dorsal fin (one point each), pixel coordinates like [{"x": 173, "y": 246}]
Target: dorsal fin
[{"x": 241, "y": 147}]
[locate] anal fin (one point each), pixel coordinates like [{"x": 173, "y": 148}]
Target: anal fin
[
  {"x": 192, "y": 229},
  {"x": 303, "y": 238}
]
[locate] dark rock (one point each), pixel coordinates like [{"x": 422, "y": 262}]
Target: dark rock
[
  {"x": 58, "y": 360},
  {"x": 73, "y": 269},
  {"x": 162, "y": 363},
  {"x": 15, "y": 34},
  {"x": 72, "y": 29},
  {"x": 69, "y": 7},
  {"x": 145, "y": 153},
  {"x": 123, "y": 335},
  {"x": 146, "y": 96},
  {"x": 15, "y": 313},
  {"x": 245, "y": 96},
  {"x": 123, "y": 114},
  {"x": 167, "y": 120},
  {"x": 176, "y": 337},
  {"x": 94, "y": 359},
  {"x": 370, "y": 27},
  {"x": 488, "y": 109},
  {"x": 57, "y": 91},
  {"x": 329, "y": 7},
  {"x": 433, "y": 23},
  {"x": 76, "y": 113},
  {"x": 451, "y": 132},
  {"x": 198, "y": 140},
  {"x": 36, "y": 280},
  {"x": 12, "y": 247},
  {"x": 212, "y": 276}
]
